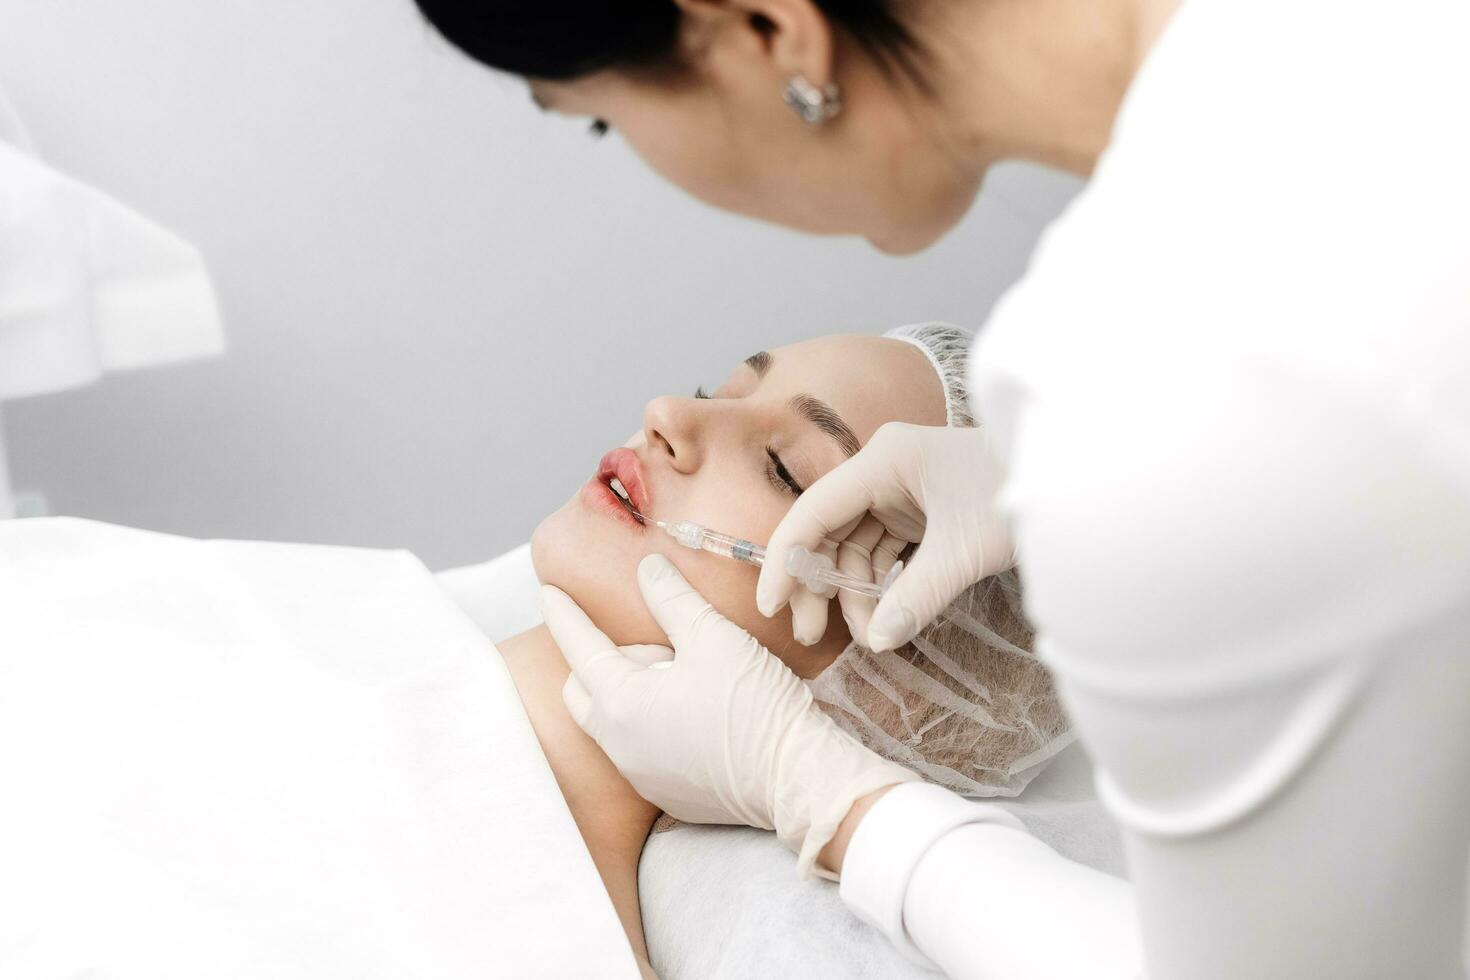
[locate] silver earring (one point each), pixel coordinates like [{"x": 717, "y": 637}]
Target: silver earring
[{"x": 814, "y": 105}]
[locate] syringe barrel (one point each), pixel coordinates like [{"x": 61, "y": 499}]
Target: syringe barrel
[
  {"x": 697, "y": 536},
  {"x": 733, "y": 547}
]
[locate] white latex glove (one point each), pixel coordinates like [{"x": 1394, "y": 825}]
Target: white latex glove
[
  {"x": 726, "y": 733},
  {"x": 910, "y": 482}
]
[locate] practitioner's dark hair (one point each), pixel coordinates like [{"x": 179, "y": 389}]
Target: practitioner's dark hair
[{"x": 560, "y": 40}]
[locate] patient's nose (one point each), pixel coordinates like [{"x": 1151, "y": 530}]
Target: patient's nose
[{"x": 674, "y": 426}]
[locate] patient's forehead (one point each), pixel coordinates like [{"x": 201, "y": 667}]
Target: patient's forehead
[{"x": 868, "y": 380}]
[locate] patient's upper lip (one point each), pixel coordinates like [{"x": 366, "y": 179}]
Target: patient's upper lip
[{"x": 623, "y": 464}]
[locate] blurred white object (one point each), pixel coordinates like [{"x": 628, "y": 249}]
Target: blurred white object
[
  {"x": 244, "y": 759},
  {"x": 87, "y": 285}
]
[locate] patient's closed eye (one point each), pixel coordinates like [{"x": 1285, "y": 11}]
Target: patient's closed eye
[
  {"x": 780, "y": 476},
  {"x": 776, "y": 472}
]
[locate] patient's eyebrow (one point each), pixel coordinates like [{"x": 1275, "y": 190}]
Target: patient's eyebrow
[
  {"x": 822, "y": 415},
  {"x": 759, "y": 362}
]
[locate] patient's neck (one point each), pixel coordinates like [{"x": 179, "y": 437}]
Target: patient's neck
[{"x": 535, "y": 643}]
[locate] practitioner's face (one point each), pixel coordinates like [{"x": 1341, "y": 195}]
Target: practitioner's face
[
  {"x": 713, "y": 122},
  {"x": 728, "y": 462}
]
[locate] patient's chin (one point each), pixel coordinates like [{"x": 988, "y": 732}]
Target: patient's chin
[
  {"x": 541, "y": 559},
  {"x": 602, "y": 580},
  {"x": 564, "y": 553}
]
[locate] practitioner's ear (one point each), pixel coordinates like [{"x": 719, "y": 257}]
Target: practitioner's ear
[{"x": 740, "y": 40}]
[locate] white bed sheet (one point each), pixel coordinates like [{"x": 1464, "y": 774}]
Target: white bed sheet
[
  {"x": 724, "y": 902},
  {"x": 236, "y": 759}
]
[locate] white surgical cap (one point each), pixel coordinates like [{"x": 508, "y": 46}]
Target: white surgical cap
[
  {"x": 965, "y": 704},
  {"x": 948, "y": 349}
]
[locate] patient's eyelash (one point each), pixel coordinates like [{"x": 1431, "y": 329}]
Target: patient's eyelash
[
  {"x": 598, "y": 129},
  {"x": 777, "y": 472},
  {"x": 780, "y": 476}
]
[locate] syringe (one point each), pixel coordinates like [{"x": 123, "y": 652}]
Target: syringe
[{"x": 815, "y": 571}]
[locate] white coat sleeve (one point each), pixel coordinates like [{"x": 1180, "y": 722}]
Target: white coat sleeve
[{"x": 962, "y": 887}]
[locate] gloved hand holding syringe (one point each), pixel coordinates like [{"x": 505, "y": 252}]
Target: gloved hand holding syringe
[{"x": 815, "y": 571}]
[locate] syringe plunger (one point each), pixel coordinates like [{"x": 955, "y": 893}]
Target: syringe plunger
[{"x": 820, "y": 575}]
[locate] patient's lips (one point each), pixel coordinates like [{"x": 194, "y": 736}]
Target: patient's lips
[{"x": 622, "y": 465}]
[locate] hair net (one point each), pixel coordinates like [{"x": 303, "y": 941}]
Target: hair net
[
  {"x": 965, "y": 704},
  {"x": 948, "y": 349}
]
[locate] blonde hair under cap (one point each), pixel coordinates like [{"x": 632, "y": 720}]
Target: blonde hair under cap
[{"x": 965, "y": 704}]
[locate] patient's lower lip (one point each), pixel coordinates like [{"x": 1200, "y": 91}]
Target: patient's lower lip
[
  {"x": 599, "y": 497},
  {"x": 623, "y": 463}
]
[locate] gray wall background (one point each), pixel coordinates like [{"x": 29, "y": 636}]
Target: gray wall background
[{"x": 442, "y": 308}]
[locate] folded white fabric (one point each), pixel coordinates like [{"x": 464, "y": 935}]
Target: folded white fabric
[
  {"x": 234, "y": 759},
  {"x": 87, "y": 284}
]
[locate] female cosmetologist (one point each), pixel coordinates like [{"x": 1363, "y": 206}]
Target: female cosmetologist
[{"x": 1227, "y": 420}]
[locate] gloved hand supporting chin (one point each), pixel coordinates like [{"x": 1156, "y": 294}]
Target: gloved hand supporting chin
[{"x": 728, "y": 734}]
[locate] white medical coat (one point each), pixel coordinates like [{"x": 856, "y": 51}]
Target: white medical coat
[{"x": 1233, "y": 397}]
